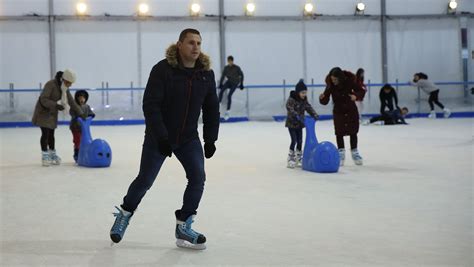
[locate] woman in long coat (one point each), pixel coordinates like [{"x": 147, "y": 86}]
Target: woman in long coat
[
  {"x": 344, "y": 90},
  {"x": 55, "y": 97}
]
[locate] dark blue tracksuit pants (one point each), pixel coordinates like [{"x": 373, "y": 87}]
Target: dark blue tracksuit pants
[
  {"x": 191, "y": 156},
  {"x": 225, "y": 86}
]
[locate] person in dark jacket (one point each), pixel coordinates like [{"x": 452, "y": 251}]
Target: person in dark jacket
[
  {"x": 179, "y": 87},
  {"x": 81, "y": 97},
  {"x": 388, "y": 96},
  {"x": 296, "y": 106},
  {"x": 391, "y": 117},
  {"x": 233, "y": 76},
  {"x": 344, "y": 90},
  {"x": 55, "y": 97}
]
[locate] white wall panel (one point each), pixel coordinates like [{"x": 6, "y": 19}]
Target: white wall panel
[
  {"x": 98, "y": 51},
  {"x": 346, "y": 44},
  {"x": 23, "y": 7},
  {"x": 430, "y": 46},
  {"x": 24, "y": 54},
  {"x": 471, "y": 50}
]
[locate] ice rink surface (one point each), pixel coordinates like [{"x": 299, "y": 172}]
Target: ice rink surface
[{"x": 410, "y": 204}]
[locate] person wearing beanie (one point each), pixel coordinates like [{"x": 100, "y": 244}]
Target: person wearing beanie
[
  {"x": 55, "y": 97},
  {"x": 233, "y": 76},
  {"x": 296, "y": 106},
  {"x": 344, "y": 90},
  {"x": 81, "y": 97},
  {"x": 420, "y": 80}
]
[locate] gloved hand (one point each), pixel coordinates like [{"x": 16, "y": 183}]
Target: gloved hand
[
  {"x": 209, "y": 150},
  {"x": 59, "y": 107},
  {"x": 164, "y": 147},
  {"x": 91, "y": 115},
  {"x": 241, "y": 87}
]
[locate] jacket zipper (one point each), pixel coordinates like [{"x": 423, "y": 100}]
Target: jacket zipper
[{"x": 190, "y": 88}]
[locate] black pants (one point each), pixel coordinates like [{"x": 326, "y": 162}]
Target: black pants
[
  {"x": 385, "y": 118},
  {"x": 434, "y": 99},
  {"x": 47, "y": 139},
  {"x": 296, "y": 135},
  {"x": 191, "y": 157},
  {"x": 388, "y": 104},
  {"x": 340, "y": 141},
  {"x": 232, "y": 87}
]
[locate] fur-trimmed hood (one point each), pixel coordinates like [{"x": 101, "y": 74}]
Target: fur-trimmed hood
[{"x": 203, "y": 62}]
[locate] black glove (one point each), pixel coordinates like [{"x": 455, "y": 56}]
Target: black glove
[
  {"x": 165, "y": 148},
  {"x": 59, "y": 107},
  {"x": 241, "y": 87},
  {"x": 92, "y": 115},
  {"x": 209, "y": 150}
]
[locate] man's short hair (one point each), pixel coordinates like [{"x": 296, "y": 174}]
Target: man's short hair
[
  {"x": 183, "y": 34},
  {"x": 231, "y": 58}
]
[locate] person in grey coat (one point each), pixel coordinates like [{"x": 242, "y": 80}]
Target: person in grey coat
[
  {"x": 55, "y": 97},
  {"x": 421, "y": 80}
]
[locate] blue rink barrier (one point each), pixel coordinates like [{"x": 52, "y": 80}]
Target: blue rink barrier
[
  {"x": 467, "y": 114},
  {"x": 16, "y": 124}
]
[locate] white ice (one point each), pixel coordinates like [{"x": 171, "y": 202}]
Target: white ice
[{"x": 409, "y": 205}]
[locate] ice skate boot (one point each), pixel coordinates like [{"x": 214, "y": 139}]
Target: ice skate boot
[
  {"x": 122, "y": 218},
  {"x": 432, "y": 115},
  {"x": 298, "y": 158},
  {"x": 356, "y": 157},
  {"x": 342, "y": 156},
  {"x": 186, "y": 237},
  {"x": 45, "y": 159},
  {"x": 447, "y": 112},
  {"x": 291, "y": 161},
  {"x": 54, "y": 158}
]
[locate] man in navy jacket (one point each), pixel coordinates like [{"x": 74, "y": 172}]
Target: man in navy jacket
[{"x": 179, "y": 87}]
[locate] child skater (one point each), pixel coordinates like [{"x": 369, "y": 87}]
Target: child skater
[
  {"x": 81, "y": 98},
  {"x": 296, "y": 105}
]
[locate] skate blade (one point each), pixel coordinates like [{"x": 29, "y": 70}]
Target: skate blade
[{"x": 185, "y": 244}]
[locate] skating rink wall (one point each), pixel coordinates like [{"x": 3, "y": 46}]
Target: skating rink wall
[{"x": 271, "y": 53}]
